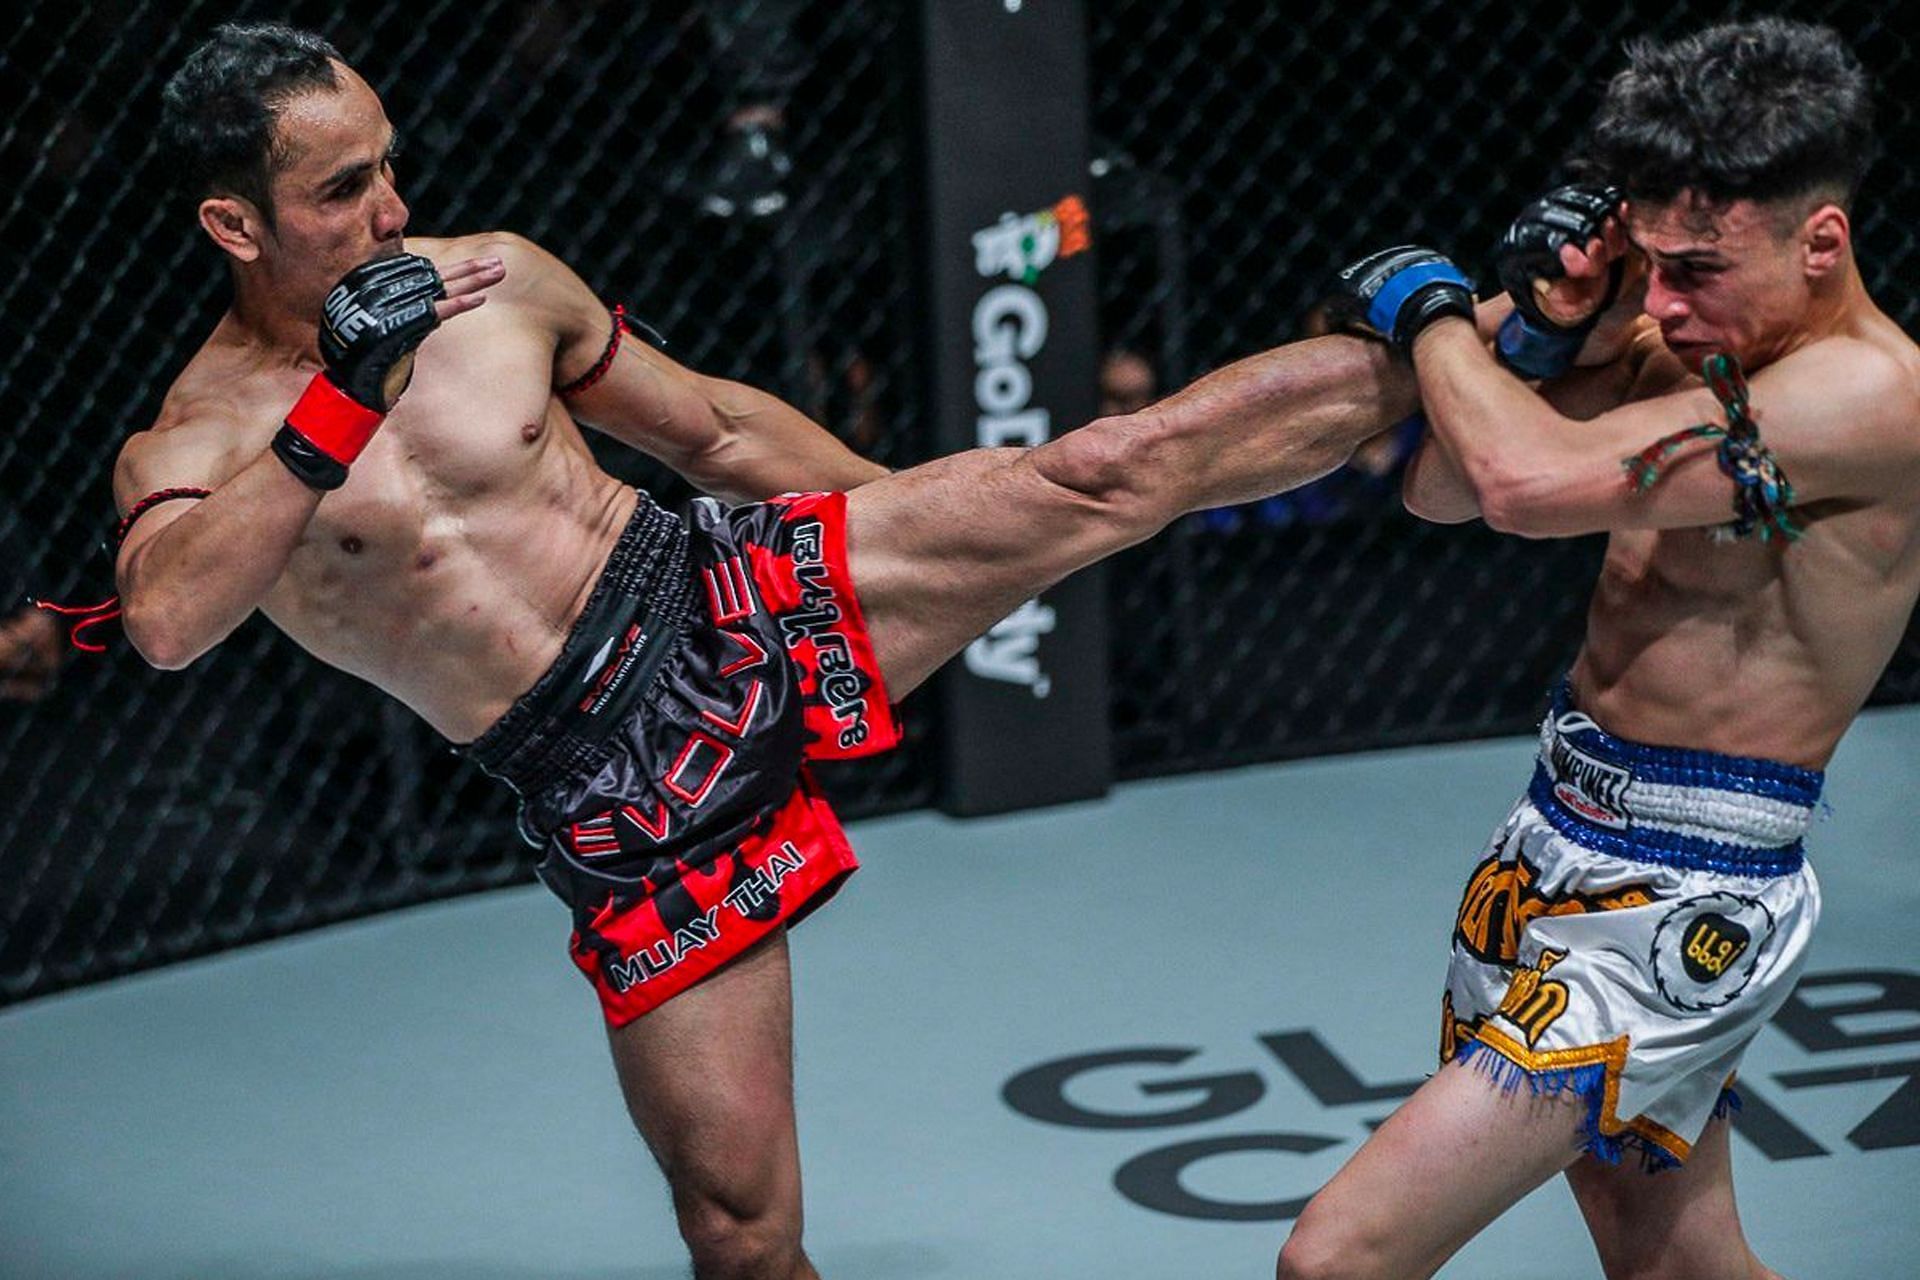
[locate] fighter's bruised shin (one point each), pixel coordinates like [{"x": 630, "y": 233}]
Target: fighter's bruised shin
[{"x": 375, "y": 318}]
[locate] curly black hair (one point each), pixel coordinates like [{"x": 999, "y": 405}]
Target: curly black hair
[{"x": 1761, "y": 110}]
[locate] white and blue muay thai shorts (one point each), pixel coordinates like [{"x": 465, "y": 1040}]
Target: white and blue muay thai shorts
[{"x": 1637, "y": 918}]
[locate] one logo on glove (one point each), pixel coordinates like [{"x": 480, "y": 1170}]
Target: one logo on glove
[
  {"x": 1706, "y": 949},
  {"x": 345, "y": 317}
]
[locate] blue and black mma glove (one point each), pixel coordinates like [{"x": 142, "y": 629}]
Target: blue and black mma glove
[
  {"x": 1395, "y": 293},
  {"x": 1531, "y": 343}
]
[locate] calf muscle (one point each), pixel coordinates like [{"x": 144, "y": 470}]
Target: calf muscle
[
  {"x": 942, "y": 551},
  {"x": 1274, "y": 421}
]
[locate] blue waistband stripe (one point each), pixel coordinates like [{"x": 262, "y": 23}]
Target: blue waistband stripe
[
  {"x": 1607, "y": 808},
  {"x": 1678, "y": 766},
  {"x": 1662, "y": 847}
]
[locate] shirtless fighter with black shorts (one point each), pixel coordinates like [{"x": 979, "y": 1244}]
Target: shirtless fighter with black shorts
[{"x": 651, "y": 688}]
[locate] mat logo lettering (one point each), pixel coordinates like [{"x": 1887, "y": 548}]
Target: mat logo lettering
[{"x": 1842, "y": 1012}]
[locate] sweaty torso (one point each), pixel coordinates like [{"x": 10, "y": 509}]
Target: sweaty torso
[
  {"x": 449, "y": 567},
  {"x": 1746, "y": 647}
]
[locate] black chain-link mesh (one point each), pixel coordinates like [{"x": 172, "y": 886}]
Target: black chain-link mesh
[{"x": 1244, "y": 151}]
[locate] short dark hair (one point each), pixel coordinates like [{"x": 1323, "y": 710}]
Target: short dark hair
[
  {"x": 1762, "y": 110},
  {"x": 218, "y": 110}
]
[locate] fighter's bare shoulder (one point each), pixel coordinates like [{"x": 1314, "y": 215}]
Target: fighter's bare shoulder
[
  {"x": 202, "y": 433},
  {"x": 1843, "y": 414},
  {"x": 528, "y": 265},
  {"x": 536, "y": 282},
  {"x": 1861, "y": 387},
  {"x": 1872, "y": 378}
]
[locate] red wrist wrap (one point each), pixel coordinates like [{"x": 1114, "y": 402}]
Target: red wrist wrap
[{"x": 334, "y": 422}]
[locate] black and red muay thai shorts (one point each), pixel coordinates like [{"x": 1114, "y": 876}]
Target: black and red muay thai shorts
[{"x": 661, "y": 760}]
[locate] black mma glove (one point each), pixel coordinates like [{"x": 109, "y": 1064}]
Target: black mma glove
[
  {"x": 1532, "y": 343},
  {"x": 373, "y": 321},
  {"x": 1395, "y": 293}
]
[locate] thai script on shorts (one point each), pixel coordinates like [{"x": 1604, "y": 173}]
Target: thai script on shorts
[{"x": 839, "y": 681}]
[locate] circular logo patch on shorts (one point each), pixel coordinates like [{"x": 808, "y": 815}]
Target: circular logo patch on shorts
[{"x": 1706, "y": 948}]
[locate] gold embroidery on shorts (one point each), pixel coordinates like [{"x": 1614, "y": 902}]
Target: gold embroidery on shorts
[
  {"x": 1614, "y": 1055},
  {"x": 1454, "y": 1030},
  {"x": 1501, "y": 901},
  {"x": 1709, "y": 952},
  {"x": 1534, "y": 1002}
]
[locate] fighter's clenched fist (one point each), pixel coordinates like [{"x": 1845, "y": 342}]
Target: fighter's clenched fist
[
  {"x": 372, "y": 323},
  {"x": 1562, "y": 261}
]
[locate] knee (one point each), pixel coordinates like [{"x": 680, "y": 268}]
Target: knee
[
  {"x": 1304, "y": 1257},
  {"x": 730, "y": 1242},
  {"x": 1122, "y": 464},
  {"x": 1317, "y": 1252}
]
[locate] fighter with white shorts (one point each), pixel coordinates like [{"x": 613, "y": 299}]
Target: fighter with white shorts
[{"x": 1639, "y": 915}]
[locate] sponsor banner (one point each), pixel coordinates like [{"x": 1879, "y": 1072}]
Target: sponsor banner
[{"x": 1015, "y": 362}]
